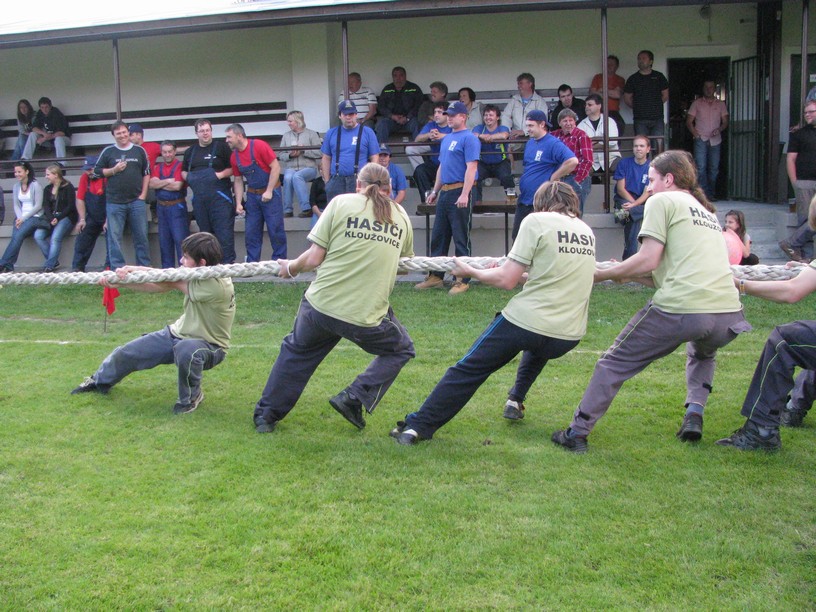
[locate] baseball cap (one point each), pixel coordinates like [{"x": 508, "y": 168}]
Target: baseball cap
[
  {"x": 385, "y": 149},
  {"x": 346, "y": 107},
  {"x": 136, "y": 128},
  {"x": 90, "y": 162},
  {"x": 538, "y": 115},
  {"x": 457, "y": 108}
]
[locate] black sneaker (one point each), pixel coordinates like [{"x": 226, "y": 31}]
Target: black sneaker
[
  {"x": 350, "y": 407},
  {"x": 89, "y": 386},
  {"x": 405, "y": 435},
  {"x": 748, "y": 437},
  {"x": 288, "y": 214},
  {"x": 262, "y": 425},
  {"x": 513, "y": 410},
  {"x": 792, "y": 418},
  {"x": 305, "y": 214},
  {"x": 692, "y": 428},
  {"x": 570, "y": 441},
  {"x": 180, "y": 408}
]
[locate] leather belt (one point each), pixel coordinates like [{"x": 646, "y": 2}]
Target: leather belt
[
  {"x": 451, "y": 186},
  {"x": 171, "y": 202},
  {"x": 256, "y": 191}
]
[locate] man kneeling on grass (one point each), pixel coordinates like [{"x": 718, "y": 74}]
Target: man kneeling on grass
[
  {"x": 197, "y": 341},
  {"x": 544, "y": 321}
]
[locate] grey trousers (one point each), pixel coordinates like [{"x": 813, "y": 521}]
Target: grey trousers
[
  {"x": 191, "y": 356},
  {"x": 650, "y": 335},
  {"x": 312, "y": 339},
  {"x": 804, "y": 191}
]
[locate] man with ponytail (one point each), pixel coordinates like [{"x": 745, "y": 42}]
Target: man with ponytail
[
  {"x": 357, "y": 242},
  {"x": 683, "y": 255}
]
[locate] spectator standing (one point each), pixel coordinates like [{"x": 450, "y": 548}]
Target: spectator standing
[
  {"x": 364, "y": 99},
  {"x": 256, "y": 168},
  {"x": 90, "y": 203},
  {"x": 398, "y": 106},
  {"x": 206, "y": 169},
  {"x": 614, "y": 85},
  {"x": 299, "y": 167},
  {"x": 126, "y": 167},
  {"x": 646, "y": 91},
  {"x": 27, "y": 196},
  {"x": 48, "y": 130},
  {"x": 153, "y": 150},
  {"x": 171, "y": 201},
  {"x": 25, "y": 121},
  {"x": 59, "y": 216},
  {"x": 707, "y": 119},
  {"x": 346, "y": 148},
  {"x": 566, "y": 99}
]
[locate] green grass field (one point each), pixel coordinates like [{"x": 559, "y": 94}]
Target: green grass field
[{"x": 112, "y": 502}]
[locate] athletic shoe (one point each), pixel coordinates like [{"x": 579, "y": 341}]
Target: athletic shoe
[
  {"x": 570, "y": 441},
  {"x": 180, "y": 408},
  {"x": 89, "y": 386},
  {"x": 262, "y": 425},
  {"x": 792, "y": 418},
  {"x": 404, "y": 435},
  {"x": 513, "y": 410},
  {"x": 787, "y": 249},
  {"x": 349, "y": 407},
  {"x": 431, "y": 282},
  {"x": 458, "y": 287},
  {"x": 288, "y": 214},
  {"x": 692, "y": 428},
  {"x": 748, "y": 437}
]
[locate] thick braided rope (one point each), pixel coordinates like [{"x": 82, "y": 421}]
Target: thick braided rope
[{"x": 246, "y": 270}]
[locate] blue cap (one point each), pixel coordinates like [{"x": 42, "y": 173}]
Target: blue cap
[
  {"x": 136, "y": 128},
  {"x": 346, "y": 107},
  {"x": 457, "y": 108},
  {"x": 385, "y": 149},
  {"x": 90, "y": 162},
  {"x": 538, "y": 115}
]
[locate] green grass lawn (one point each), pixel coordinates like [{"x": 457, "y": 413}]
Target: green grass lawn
[{"x": 112, "y": 502}]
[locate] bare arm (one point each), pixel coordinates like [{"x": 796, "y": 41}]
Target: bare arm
[
  {"x": 664, "y": 95},
  {"x": 505, "y": 277},
  {"x": 145, "y": 185},
  {"x": 785, "y": 292},
  {"x": 325, "y": 167},
  {"x": 238, "y": 188},
  {"x": 642, "y": 263},
  {"x": 565, "y": 168},
  {"x": 274, "y": 175},
  {"x": 627, "y": 98},
  {"x": 306, "y": 262},
  {"x": 790, "y": 163},
  {"x": 400, "y": 196}
]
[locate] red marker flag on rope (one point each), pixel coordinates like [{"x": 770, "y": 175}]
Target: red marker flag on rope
[{"x": 109, "y": 295}]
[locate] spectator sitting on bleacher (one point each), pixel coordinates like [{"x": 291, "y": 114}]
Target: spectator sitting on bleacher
[
  {"x": 25, "y": 119},
  {"x": 300, "y": 167},
  {"x": 363, "y": 98},
  {"x": 398, "y": 106},
  {"x": 614, "y": 85},
  {"x": 468, "y": 97},
  {"x": 90, "y": 203},
  {"x": 566, "y": 99},
  {"x": 632, "y": 176},
  {"x": 526, "y": 100},
  {"x": 579, "y": 143},
  {"x": 49, "y": 130},
  {"x": 398, "y": 182},
  {"x": 438, "y": 93},
  {"x": 494, "y": 160},
  {"x": 433, "y": 132},
  {"x": 593, "y": 125},
  {"x": 27, "y": 194}
]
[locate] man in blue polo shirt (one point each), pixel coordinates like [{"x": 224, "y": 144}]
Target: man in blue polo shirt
[
  {"x": 546, "y": 158},
  {"x": 458, "y": 161},
  {"x": 346, "y": 148},
  {"x": 398, "y": 182}
]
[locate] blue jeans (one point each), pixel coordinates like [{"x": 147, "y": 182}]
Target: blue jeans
[
  {"x": 312, "y": 338},
  {"x": 451, "y": 222},
  {"x": 133, "y": 214},
  {"x": 495, "y": 348},
  {"x": 59, "y": 145},
  {"x": 386, "y": 127},
  {"x": 18, "y": 235},
  {"x": 295, "y": 182},
  {"x": 707, "y": 158},
  {"x": 652, "y": 127},
  {"x": 215, "y": 214},
  {"x": 338, "y": 185},
  {"x": 581, "y": 189},
  {"x": 19, "y": 147},
  {"x": 500, "y": 170},
  {"x": 50, "y": 241},
  {"x": 258, "y": 212},
  {"x": 192, "y": 356},
  {"x": 174, "y": 227}
]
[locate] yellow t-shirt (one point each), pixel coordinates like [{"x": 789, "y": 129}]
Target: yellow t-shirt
[
  {"x": 355, "y": 280},
  {"x": 693, "y": 274},
  {"x": 560, "y": 253},
  {"x": 209, "y": 310}
]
